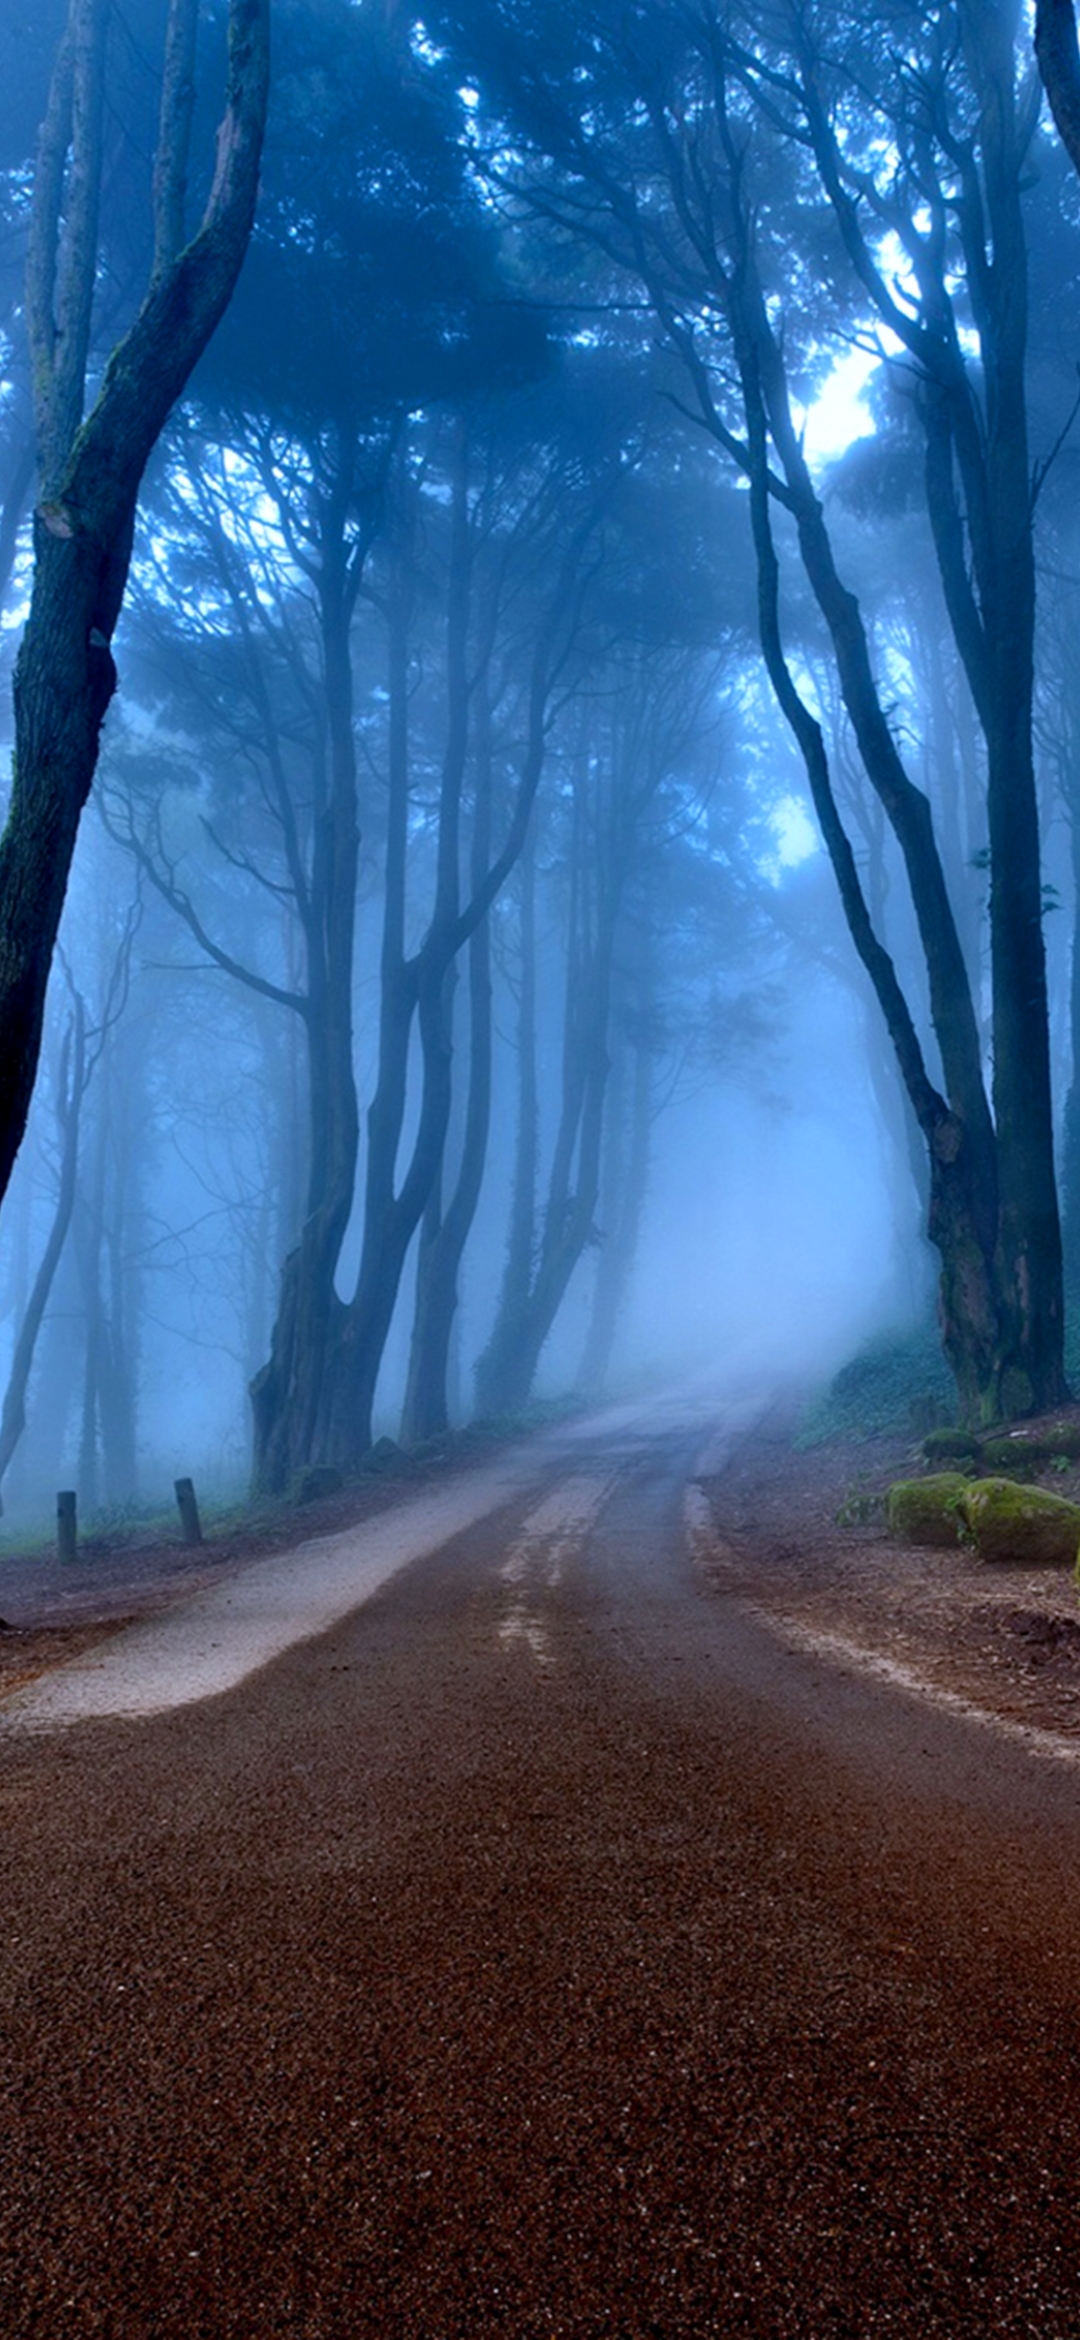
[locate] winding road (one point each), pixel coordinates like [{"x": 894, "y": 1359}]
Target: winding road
[{"x": 480, "y": 1926}]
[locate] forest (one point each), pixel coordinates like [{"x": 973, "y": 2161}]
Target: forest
[{"x": 541, "y": 715}]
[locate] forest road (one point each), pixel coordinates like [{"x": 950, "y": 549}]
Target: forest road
[{"x": 546, "y": 1950}]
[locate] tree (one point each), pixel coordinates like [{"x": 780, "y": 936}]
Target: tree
[
  {"x": 90, "y": 471},
  {"x": 1059, "y": 63},
  {"x": 705, "y": 153}
]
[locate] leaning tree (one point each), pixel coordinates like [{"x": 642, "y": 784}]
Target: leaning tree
[{"x": 90, "y": 471}]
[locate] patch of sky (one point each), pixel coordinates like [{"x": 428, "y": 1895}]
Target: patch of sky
[
  {"x": 839, "y": 415},
  {"x": 795, "y": 839},
  {"x": 423, "y": 47}
]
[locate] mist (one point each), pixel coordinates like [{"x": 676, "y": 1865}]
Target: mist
[{"x": 546, "y": 923}]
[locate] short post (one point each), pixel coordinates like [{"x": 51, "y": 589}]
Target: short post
[
  {"x": 190, "y": 1523},
  {"x": 67, "y": 1534}
]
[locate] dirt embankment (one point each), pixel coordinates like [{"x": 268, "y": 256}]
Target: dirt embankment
[{"x": 802, "y": 1535}]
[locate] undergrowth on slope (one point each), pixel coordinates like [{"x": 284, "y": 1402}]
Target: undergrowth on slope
[{"x": 897, "y": 1385}]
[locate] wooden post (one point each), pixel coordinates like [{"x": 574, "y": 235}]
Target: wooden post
[
  {"x": 190, "y": 1523},
  {"x": 66, "y": 1526}
]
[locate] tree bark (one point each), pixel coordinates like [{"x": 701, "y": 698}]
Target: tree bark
[{"x": 1058, "y": 54}]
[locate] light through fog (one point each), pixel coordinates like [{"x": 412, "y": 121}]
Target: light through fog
[{"x": 455, "y": 1001}]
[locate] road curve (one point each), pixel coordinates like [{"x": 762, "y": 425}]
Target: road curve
[{"x": 542, "y": 1949}]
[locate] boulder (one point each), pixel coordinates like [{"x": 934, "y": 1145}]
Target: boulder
[
  {"x": 1018, "y": 1455},
  {"x": 1026, "y": 1525},
  {"x": 1014, "y": 1458},
  {"x": 951, "y": 1445},
  {"x": 928, "y": 1511},
  {"x": 1063, "y": 1438}
]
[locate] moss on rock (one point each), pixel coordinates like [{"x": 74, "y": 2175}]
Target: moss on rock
[
  {"x": 1024, "y": 1524},
  {"x": 951, "y": 1445},
  {"x": 1014, "y": 1458},
  {"x": 928, "y": 1511},
  {"x": 1063, "y": 1438}
]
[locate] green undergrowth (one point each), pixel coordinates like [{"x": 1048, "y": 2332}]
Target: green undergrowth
[{"x": 897, "y": 1385}]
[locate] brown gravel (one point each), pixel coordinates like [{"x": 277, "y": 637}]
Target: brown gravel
[
  {"x": 649, "y": 1979},
  {"x": 1006, "y": 1638}
]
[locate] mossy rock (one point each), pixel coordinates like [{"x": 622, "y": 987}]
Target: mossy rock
[
  {"x": 1026, "y": 1525},
  {"x": 928, "y": 1511},
  {"x": 1014, "y": 1458},
  {"x": 1027, "y": 1451},
  {"x": 951, "y": 1445}
]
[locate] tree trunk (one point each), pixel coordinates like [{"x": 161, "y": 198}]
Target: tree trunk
[
  {"x": 962, "y": 1218},
  {"x": 521, "y": 1242},
  {"x": 626, "y": 1178},
  {"x": 65, "y": 676},
  {"x": 442, "y": 1242},
  {"x": 1070, "y": 1142},
  {"x": 513, "y": 1355},
  {"x": 1032, "y": 1373},
  {"x": 287, "y": 1395},
  {"x": 1059, "y": 63},
  {"x": 70, "y": 1091},
  {"x": 418, "y": 985}
]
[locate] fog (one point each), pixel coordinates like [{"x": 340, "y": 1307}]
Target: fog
[
  {"x": 774, "y": 1231},
  {"x": 549, "y": 917},
  {"x": 775, "y": 1234}
]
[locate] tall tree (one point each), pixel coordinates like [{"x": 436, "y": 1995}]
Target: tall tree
[
  {"x": 90, "y": 471},
  {"x": 704, "y": 151}
]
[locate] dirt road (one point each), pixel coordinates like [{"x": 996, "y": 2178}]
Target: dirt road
[{"x": 548, "y": 1950}]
